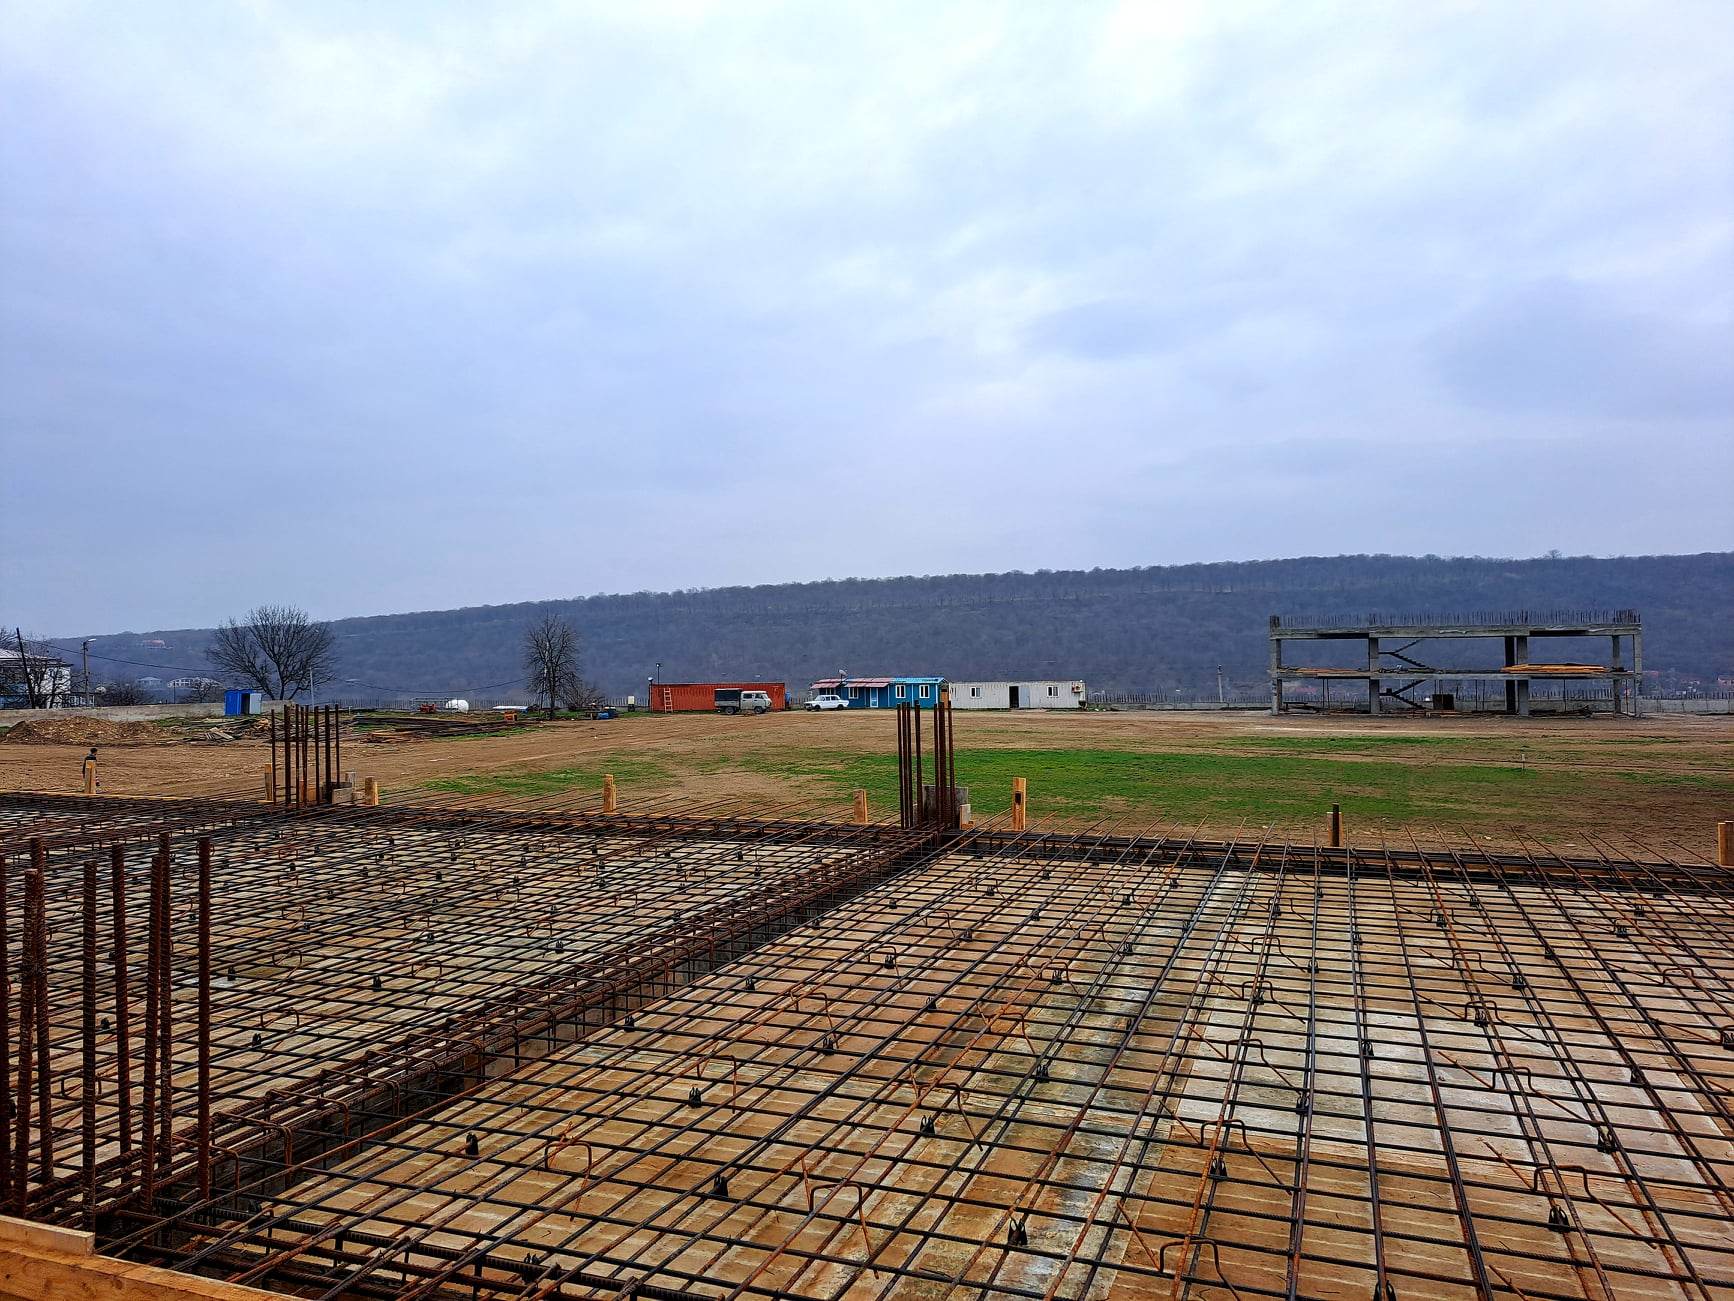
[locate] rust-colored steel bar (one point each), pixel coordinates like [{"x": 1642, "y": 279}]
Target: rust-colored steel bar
[
  {"x": 38, "y": 900},
  {"x": 26, "y": 1056},
  {"x": 902, "y": 768},
  {"x": 271, "y": 725},
  {"x": 165, "y": 1010},
  {"x": 6, "y": 1108},
  {"x": 915, "y": 780},
  {"x": 122, "y": 1010},
  {"x": 337, "y": 741},
  {"x": 87, "y": 1083},
  {"x": 911, "y": 768},
  {"x": 204, "y": 1120},
  {"x": 153, "y": 993}
]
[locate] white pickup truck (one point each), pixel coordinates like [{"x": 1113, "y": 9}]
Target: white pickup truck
[{"x": 730, "y": 700}]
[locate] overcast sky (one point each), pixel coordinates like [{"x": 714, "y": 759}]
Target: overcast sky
[{"x": 385, "y": 306}]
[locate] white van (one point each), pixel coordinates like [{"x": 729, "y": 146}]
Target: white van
[{"x": 732, "y": 701}]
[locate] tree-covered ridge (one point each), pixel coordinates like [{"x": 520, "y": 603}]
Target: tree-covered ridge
[{"x": 1147, "y": 629}]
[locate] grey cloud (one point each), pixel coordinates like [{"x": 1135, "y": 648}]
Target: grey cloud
[
  {"x": 1555, "y": 346},
  {"x": 584, "y": 298}
]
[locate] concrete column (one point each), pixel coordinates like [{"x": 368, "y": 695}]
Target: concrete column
[
  {"x": 1614, "y": 684},
  {"x": 1511, "y": 685},
  {"x": 1637, "y": 674},
  {"x": 1372, "y": 682},
  {"x": 1275, "y": 666},
  {"x": 1522, "y": 683}
]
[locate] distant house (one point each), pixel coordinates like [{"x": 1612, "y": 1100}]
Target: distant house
[
  {"x": 883, "y": 693},
  {"x": 196, "y": 688},
  {"x": 1041, "y": 693},
  {"x": 49, "y": 677}
]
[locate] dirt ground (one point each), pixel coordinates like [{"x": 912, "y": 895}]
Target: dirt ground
[{"x": 1667, "y": 780}]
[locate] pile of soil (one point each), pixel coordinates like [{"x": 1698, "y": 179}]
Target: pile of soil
[{"x": 75, "y": 729}]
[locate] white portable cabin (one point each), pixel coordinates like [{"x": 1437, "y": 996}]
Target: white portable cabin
[{"x": 1044, "y": 694}]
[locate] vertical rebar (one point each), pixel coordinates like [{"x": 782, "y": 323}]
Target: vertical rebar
[
  {"x": 37, "y": 897},
  {"x": 205, "y": 1017},
  {"x": 337, "y": 744},
  {"x": 26, "y": 1055},
  {"x": 148, "y": 1100},
  {"x": 915, "y": 780},
  {"x": 87, "y": 1095},
  {"x": 902, "y": 779},
  {"x": 6, "y": 1109},
  {"x": 271, "y": 722},
  {"x": 122, "y": 1013},
  {"x": 165, "y": 1009}
]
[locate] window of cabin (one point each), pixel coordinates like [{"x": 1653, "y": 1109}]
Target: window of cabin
[
  {"x": 902, "y": 691},
  {"x": 926, "y": 691},
  {"x": 1053, "y": 691},
  {"x": 975, "y": 691}
]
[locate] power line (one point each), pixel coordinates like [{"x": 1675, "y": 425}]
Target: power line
[{"x": 374, "y": 686}]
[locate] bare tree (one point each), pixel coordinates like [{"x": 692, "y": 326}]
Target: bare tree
[
  {"x": 582, "y": 696},
  {"x": 277, "y": 649},
  {"x": 32, "y": 668},
  {"x": 197, "y": 691},
  {"x": 122, "y": 693},
  {"x": 550, "y": 659}
]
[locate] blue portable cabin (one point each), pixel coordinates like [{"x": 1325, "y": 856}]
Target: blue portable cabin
[
  {"x": 884, "y": 693},
  {"x": 240, "y": 703}
]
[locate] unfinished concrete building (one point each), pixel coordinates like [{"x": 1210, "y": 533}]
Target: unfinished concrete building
[
  {"x": 688, "y": 1053},
  {"x": 1394, "y": 673}
]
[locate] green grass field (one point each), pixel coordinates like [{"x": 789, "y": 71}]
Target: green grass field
[
  {"x": 542, "y": 783},
  {"x": 1447, "y": 783},
  {"x": 1222, "y": 788}
]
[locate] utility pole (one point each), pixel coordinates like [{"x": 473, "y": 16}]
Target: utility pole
[
  {"x": 1220, "y": 698},
  {"x": 24, "y": 667}
]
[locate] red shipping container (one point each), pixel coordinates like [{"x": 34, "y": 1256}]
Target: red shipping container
[{"x": 700, "y": 697}]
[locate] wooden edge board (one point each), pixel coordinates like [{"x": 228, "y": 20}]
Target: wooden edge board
[{"x": 39, "y": 1262}]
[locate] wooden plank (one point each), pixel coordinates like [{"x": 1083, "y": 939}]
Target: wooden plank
[{"x": 39, "y": 1262}]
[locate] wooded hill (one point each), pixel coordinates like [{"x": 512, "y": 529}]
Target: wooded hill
[{"x": 1149, "y": 629}]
